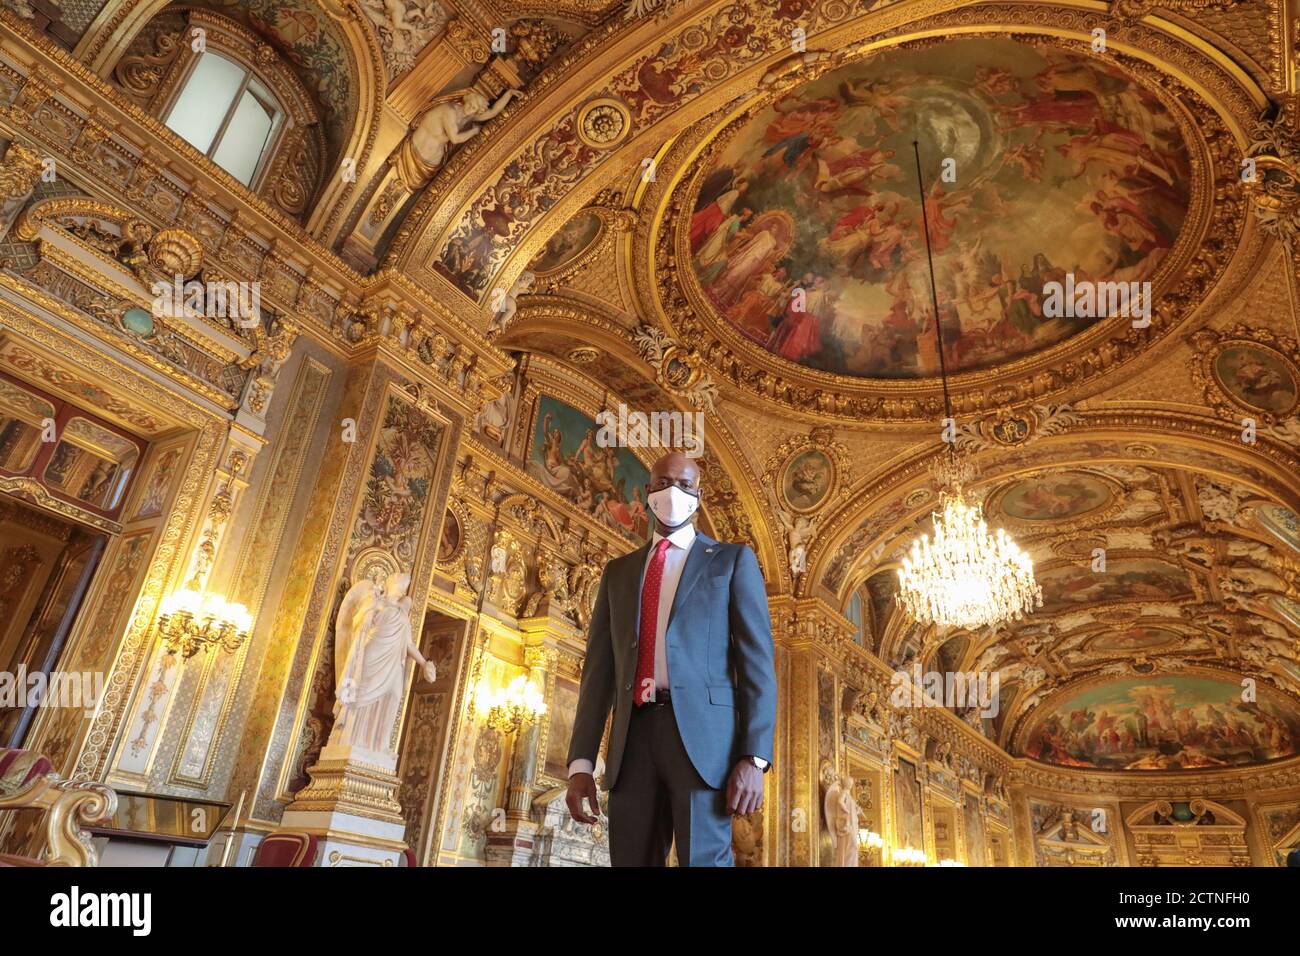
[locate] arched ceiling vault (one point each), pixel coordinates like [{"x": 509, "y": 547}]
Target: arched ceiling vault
[
  {"x": 1199, "y": 575},
  {"x": 879, "y": 513},
  {"x": 673, "y": 59},
  {"x": 335, "y": 51}
]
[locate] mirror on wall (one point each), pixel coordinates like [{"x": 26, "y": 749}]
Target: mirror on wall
[
  {"x": 22, "y": 418},
  {"x": 91, "y": 464}
]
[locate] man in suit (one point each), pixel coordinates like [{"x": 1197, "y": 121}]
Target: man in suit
[{"x": 680, "y": 646}]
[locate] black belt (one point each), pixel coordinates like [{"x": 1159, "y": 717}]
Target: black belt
[{"x": 662, "y": 698}]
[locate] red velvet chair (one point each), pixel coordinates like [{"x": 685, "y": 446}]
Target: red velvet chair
[{"x": 286, "y": 848}]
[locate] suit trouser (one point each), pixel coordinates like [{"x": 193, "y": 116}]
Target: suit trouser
[{"x": 660, "y": 795}]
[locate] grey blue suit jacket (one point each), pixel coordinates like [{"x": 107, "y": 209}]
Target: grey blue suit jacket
[{"x": 719, "y": 643}]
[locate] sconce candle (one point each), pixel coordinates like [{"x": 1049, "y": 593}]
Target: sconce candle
[
  {"x": 509, "y": 708},
  {"x": 190, "y": 620}
]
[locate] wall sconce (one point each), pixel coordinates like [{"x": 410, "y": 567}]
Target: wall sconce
[
  {"x": 871, "y": 847},
  {"x": 191, "y": 620},
  {"x": 906, "y": 856},
  {"x": 509, "y": 708}
]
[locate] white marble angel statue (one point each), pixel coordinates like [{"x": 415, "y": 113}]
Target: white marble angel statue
[
  {"x": 842, "y": 821},
  {"x": 372, "y": 640}
]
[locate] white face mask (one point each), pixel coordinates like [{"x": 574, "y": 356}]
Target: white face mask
[{"x": 672, "y": 506}]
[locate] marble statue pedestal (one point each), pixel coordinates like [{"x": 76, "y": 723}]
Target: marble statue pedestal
[{"x": 351, "y": 806}]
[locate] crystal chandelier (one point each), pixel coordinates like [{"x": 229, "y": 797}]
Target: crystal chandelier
[{"x": 963, "y": 577}]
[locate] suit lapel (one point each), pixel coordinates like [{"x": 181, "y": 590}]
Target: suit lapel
[
  {"x": 630, "y": 586},
  {"x": 697, "y": 559}
]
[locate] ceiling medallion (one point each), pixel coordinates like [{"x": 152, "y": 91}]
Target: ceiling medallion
[
  {"x": 808, "y": 471},
  {"x": 677, "y": 369},
  {"x": 1011, "y": 428},
  {"x": 1058, "y": 500},
  {"x": 583, "y": 355},
  {"x": 1247, "y": 372},
  {"x": 604, "y": 122}
]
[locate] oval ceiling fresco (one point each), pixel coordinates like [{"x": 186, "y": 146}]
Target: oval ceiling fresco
[
  {"x": 1177, "y": 722},
  {"x": 569, "y": 242},
  {"x": 1054, "y": 497},
  {"x": 806, "y": 232},
  {"x": 1135, "y": 640},
  {"x": 1124, "y": 581}
]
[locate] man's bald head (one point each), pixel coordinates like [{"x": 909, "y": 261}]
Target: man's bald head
[{"x": 674, "y": 468}]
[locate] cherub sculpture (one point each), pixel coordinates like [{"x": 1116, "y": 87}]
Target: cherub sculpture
[
  {"x": 799, "y": 532},
  {"x": 506, "y": 305}
]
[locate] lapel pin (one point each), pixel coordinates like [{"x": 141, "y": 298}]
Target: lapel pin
[{"x": 708, "y": 550}]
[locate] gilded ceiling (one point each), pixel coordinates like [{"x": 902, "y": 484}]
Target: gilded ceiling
[
  {"x": 1091, "y": 436},
  {"x": 646, "y": 184}
]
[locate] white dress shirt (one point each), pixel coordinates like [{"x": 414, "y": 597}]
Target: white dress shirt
[{"x": 674, "y": 563}]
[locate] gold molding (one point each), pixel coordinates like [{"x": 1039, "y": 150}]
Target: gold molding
[{"x": 1209, "y": 344}]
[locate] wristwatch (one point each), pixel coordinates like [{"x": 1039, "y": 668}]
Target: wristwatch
[{"x": 760, "y": 763}]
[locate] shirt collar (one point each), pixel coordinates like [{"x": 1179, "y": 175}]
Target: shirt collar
[{"x": 681, "y": 538}]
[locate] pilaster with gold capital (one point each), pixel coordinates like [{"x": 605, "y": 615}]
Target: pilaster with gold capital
[
  {"x": 798, "y": 815},
  {"x": 377, "y": 509}
]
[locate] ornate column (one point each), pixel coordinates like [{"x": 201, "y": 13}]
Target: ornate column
[{"x": 799, "y": 814}]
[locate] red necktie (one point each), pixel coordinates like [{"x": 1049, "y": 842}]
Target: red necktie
[{"x": 645, "y": 660}]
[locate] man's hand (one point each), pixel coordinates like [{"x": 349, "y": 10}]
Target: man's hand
[
  {"x": 744, "y": 788},
  {"x": 583, "y": 786}
]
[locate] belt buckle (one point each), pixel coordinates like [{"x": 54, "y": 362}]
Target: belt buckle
[{"x": 660, "y": 699}]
